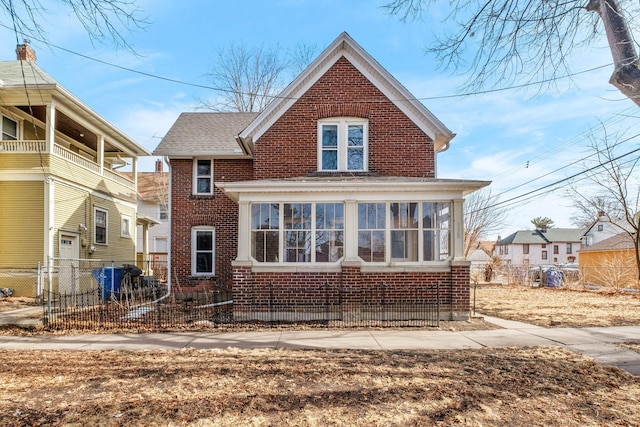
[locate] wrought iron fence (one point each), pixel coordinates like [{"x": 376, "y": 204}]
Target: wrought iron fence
[{"x": 374, "y": 307}]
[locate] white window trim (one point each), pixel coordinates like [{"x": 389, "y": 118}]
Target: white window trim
[
  {"x": 343, "y": 126},
  {"x": 166, "y": 210},
  {"x": 194, "y": 231},
  {"x": 125, "y": 226},
  {"x": 18, "y": 126},
  {"x": 95, "y": 226},
  {"x": 195, "y": 177},
  {"x": 312, "y": 230}
]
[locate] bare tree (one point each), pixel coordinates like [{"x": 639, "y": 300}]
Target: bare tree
[
  {"x": 501, "y": 40},
  {"x": 613, "y": 183},
  {"x": 102, "y": 19},
  {"x": 481, "y": 217},
  {"x": 248, "y": 78},
  {"x": 587, "y": 211}
]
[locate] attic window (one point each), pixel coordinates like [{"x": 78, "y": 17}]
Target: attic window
[{"x": 342, "y": 145}]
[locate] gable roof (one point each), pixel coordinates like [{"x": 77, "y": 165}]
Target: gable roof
[
  {"x": 619, "y": 242},
  {"x": 204, "y": 134},
  {"x": 543, "y": 237},
  {"x": 345, "y": 46}
]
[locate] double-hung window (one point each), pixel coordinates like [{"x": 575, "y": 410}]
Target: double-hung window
[
  {"x": 100, "y": 223},
  {"x": 342, "y": 145},
  {"x": 9, "y": 129},
  {"x": 202, "y": 250},
  {"x": 297, "y": 232},
  {"x": 203, "y": 176}
]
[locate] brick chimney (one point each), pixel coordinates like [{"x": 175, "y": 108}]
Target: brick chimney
[
  {"x": 25, "y": 52},
  {"x": 158, "y": 165}
]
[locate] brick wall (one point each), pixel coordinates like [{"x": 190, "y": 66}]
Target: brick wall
[
  {"x": 217, "y": 210},
  {"x": 354, "y": 286},
  {"x": 397, "y": 147}
]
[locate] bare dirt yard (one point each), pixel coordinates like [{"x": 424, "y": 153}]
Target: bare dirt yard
[{"x": 538, "y": 386}]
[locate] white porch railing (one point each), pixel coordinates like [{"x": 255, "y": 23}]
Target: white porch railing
[{"x": 26, "y": 146}]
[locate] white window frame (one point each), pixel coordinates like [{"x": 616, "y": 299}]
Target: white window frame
[
  {"x": 420, "y": 229},
  {"x": 2, "y": 130},
  {"x": 194, "y": 250},
  {"x": 197, "y": 176},
  {"x": 95, "y": 226},
  {"x": 163, "y": 208},
  {"x": 125, "y": 226},
  {"x": 313, "y": 231},
  {"x": 343, "y": 124}
]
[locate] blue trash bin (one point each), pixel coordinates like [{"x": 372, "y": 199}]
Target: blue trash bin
[
  {"x": 109, "y": 279},
  {"x": 554, "y": 278}
]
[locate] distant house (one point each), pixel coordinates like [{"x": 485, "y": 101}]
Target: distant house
[
  {"x": 61, "y": 195},
  {"x": 534, "y": 247},
  {"x": 603, "y": 228},
  {"x": 334, "y": 182},
  {"x": 153, "y": 203},
  {"x": 610, "y": 262}
]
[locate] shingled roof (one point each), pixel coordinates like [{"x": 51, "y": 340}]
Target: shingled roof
[
  {"x": 540, "y": 237},
  {"x": 204, "y": 134}
]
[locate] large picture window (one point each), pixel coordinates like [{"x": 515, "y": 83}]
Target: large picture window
[
  {"x": 416, "y": 231},
  {"x": 297, "y": 232},
  {"x": 202, "y": 250},
  {"x": 342, "y": 145}
]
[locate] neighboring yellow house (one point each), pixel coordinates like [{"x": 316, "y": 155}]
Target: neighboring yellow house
[
  {"x": 61, "y": 195},
  {"x": 610, "y": 263}
]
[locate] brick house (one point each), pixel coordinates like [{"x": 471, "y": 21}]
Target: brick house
[{"x": 334, "y": 182}]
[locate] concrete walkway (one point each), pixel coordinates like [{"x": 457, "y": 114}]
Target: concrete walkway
[{"x": 600, "y": 343}]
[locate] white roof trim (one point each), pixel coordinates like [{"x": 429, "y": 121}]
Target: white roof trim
[{"x": 345, "y": 46}]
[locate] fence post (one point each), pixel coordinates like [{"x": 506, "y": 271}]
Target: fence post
[
  {"x": 437, "y": 304},
  {"x": 271, "y": 302},
  {"x": 38, "y": 281},
  {"x": 49, "y": 278},
  {"x": 384, "y": 308},
  {"x": 326, "y": 301}
]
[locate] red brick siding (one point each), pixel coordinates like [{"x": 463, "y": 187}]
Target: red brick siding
[
  {"x": 397, "y": 147},
  {"x": 356, "y": 286},
  {"x": 218, "y": 211}
]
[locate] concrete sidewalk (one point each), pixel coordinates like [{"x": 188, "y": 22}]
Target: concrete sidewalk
[{"x": 599, "y": 343}]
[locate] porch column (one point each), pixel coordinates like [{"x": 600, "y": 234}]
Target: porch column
[
  {"x": 134, "y": 171},
  {"x": 244, "y": 234},
  {"x": 458, "y": 230},
  {"x": 351, "y": 230},
  {"x": 100, "y": 152},
  {"x": 50, "y": 127}
]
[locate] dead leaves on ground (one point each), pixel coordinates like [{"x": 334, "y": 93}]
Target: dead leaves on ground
[{"x": 540, "y": 386}]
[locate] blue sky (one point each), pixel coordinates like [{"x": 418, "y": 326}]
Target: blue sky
[{"x": 509, "y": 137}]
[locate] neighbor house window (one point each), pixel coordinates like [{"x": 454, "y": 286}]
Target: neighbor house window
[
  {"x": 125, "y": 226},
  {"x": 569, "y": 248},
  {"x": 202, "y": 250},
  {"x": 600, "y": 227},
  {"x": 9, "y": 129},
  {"x": 525, "y": 248},
  {"x": 100, "y": 226},
  {"x": 342, "y": 145},
  {"x": 555, "y": 249},
  {"x": 163, "y": 212},
  {"x": 544, "y": 255},
  {"x": 297, "y": 232},
  {"x": 203, "y": 176},
  {"x": 415, "y": 231}
]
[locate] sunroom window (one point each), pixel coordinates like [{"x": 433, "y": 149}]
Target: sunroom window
[
  {"x": 416, "y": 231},
  {"x": 297, "y": 232},
  {"x": 342, "y": 145}
]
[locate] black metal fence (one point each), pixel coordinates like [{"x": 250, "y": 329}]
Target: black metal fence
[{"x": 151, "y": 308}]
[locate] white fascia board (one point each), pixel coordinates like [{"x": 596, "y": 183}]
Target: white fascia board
[{"x": 345, "y": 190}]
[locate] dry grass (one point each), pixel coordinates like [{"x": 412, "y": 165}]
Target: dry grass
[
  {"x": 553, "y": 307},
  {"x": 496, "y": 387},
  {"x": 506, "y": 387}
]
